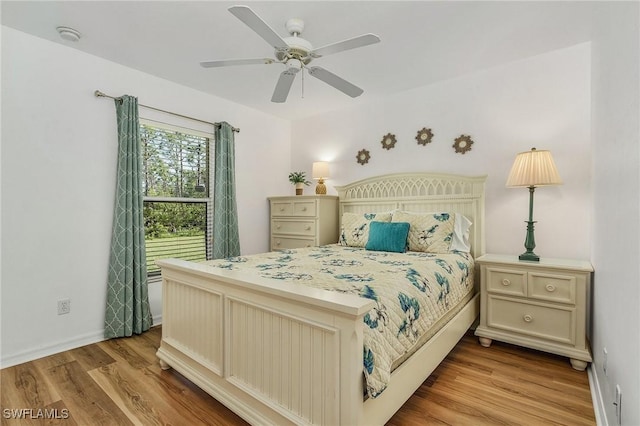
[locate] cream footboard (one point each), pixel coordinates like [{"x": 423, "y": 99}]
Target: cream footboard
[{"x": 279, "y": 353}]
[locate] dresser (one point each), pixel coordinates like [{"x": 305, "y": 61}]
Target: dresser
[
  {"x": 540, "y": 305},
  {"x": 303, "y": 221}
]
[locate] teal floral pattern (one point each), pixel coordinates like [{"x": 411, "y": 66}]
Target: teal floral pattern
[{"x": 411, "y": 291}]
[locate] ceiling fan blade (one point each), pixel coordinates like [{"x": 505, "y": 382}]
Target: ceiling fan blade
[
  {"x": 253, "y": 21},
  {"x": 352, "y": 43},
  {"x": 284, "y": 85},
  {"x": 231, "y": 62},
  {"x": 333, "y": 80}
]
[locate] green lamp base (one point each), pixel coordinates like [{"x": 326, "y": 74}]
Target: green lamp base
[
  {"x": 531, "y": 256},
  {"x": 530, "y": 240}
]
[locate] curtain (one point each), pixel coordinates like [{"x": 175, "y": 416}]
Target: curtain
[
  {"x": 226, "y": 241},
  {"x": 127, "y": 309}
]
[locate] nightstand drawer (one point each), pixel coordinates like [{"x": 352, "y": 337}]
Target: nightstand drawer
[
  {"x": 551, "y": 287},
  {"x": 506, "y": 281},
  {"x": 296, "y": 227},
  {"x": 546, "y": 322},
  {"x": 283, "y": 243}
]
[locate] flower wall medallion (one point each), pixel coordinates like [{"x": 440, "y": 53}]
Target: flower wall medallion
[
  {"x": 388, "y": 141},
  {"x": 462, "y": 144},
  {"x": 363, "y": 157},
  {"x": 424, "y": 136}
]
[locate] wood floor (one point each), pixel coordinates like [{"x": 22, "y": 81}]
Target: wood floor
[{"x": 119, "y": 382}]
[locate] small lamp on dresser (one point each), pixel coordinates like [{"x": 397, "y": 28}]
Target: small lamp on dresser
[
  {"x": 530, "y": 169},
  {"x": 320, "y": 172}
]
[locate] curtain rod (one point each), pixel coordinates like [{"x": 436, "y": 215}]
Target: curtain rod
[{"x": 99, "y": 94}]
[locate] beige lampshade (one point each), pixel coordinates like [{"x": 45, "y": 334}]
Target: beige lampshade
[
  {"x": 534, "y": 168},
  {"x": 320, "y": 170}
]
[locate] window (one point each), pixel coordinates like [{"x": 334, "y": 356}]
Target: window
[{"x": 177, "y": 193}]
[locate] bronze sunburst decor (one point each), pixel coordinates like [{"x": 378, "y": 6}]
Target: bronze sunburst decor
[
  {"x": 363, "y": 156},
  {"x": 463, "y": 144},
  {"x": 424, "y": 136},
  {"x": 388, "y": 141}
]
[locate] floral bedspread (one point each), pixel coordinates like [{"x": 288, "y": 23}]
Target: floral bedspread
[{"x": 412, "y": 291}]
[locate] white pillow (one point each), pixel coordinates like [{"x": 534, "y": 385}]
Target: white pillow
[{"x": 460, "y": 240}]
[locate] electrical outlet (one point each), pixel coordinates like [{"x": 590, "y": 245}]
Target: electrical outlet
[
  {"x": 604, "y": 360},
  {"x": 618, "y": 404},
  {"x": 64, "y": 306}
]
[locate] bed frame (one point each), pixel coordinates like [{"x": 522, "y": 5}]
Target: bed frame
[{"x": 275, "y": 353}]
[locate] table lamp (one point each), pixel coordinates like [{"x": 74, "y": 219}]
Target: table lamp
[
  {"x": 530, "y": 169},
  {"x": 321, "y": 172}
]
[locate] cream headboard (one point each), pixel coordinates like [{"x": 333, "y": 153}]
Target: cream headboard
[{"x": 421, "y": 193}]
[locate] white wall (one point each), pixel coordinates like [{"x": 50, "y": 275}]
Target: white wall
[
  {"x": 541, "y": 102},
  {"x": 58, "y": 181},
  {"x": 616, "y": 208}
]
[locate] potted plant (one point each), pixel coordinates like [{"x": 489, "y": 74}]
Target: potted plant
[{"x": 299, "y": 180}]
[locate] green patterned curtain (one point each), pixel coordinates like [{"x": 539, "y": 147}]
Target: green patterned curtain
[
  {"x": 226, "y": 241},
  {"x": 127, "y": 309}
]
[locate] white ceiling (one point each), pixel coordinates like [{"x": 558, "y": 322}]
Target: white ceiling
[{"x": 422, "y": 41}]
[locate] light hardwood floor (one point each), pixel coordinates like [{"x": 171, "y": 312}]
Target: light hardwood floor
[{"x": 119, "y": 382}]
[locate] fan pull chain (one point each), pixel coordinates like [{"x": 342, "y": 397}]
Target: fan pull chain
[{"x": 302, "y": 80}]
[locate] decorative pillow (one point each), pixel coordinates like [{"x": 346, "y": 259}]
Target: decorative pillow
[
  {"x": 388, "y": 236},
  {"x": 355, "y": 227},
  {"x": 429, "y": 232}
]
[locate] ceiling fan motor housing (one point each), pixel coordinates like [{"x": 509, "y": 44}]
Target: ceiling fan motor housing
[{"x": 299, "y": 48}]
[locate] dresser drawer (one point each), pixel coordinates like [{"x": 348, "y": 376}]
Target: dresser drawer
[
  {"x": 304, "y": 208},
  {"x": 293, "y": 208},
  {"x": 283, "y": 243},
  {"x": 296, "y": 227},
  {"x": 540, "y": 321},
  {"x": 281, "y": 208},
  {"x": 551, "y": 287},
  {"x": 506, "y": 281}
]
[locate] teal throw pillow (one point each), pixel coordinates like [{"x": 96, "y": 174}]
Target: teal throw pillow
[{"x": 388, "y": 236}]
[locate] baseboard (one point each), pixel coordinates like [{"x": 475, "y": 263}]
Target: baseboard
[
  {"x": 596, "y": 397},
  {"x": 157, "y": 320},
  {"x": 65, "y": 345},
  {"x": 40, "y": 352}
]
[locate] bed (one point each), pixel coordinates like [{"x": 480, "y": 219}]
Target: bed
[{"x": 277, "y": 352}]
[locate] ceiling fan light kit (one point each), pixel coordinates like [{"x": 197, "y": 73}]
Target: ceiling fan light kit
[{"x": 295, "y": 53}]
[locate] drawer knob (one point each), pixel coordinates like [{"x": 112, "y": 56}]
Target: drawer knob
[
  {"x": 506, "y": 282},
  {"x": 281, "y": 209},
  {"x": 527, "y": 318},
  {"x": 304, "y": 209},
  {"x": 278, "y": 226},
  {"x": 277, "y": 243},
  {"x": 308, "y": 228},
  {"x": 550, "y": 287}
]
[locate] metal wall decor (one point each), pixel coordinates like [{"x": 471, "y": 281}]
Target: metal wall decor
[
  {"x": 363, "y": 156},
  {"x": 424, "y": 136},
  {"x": 462, "y": 144},
  {"x": 388, "y": 141}
]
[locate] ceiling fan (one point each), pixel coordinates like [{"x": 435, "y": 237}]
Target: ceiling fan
[{"x": 295, "y": 53}]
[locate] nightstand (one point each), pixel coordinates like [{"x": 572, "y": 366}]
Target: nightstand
[
  {"x": 303, "y": 221},
  {"x": 540, "y": 305}
]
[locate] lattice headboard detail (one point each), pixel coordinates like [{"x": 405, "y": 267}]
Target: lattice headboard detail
[{"x": 421, "y": 193}]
